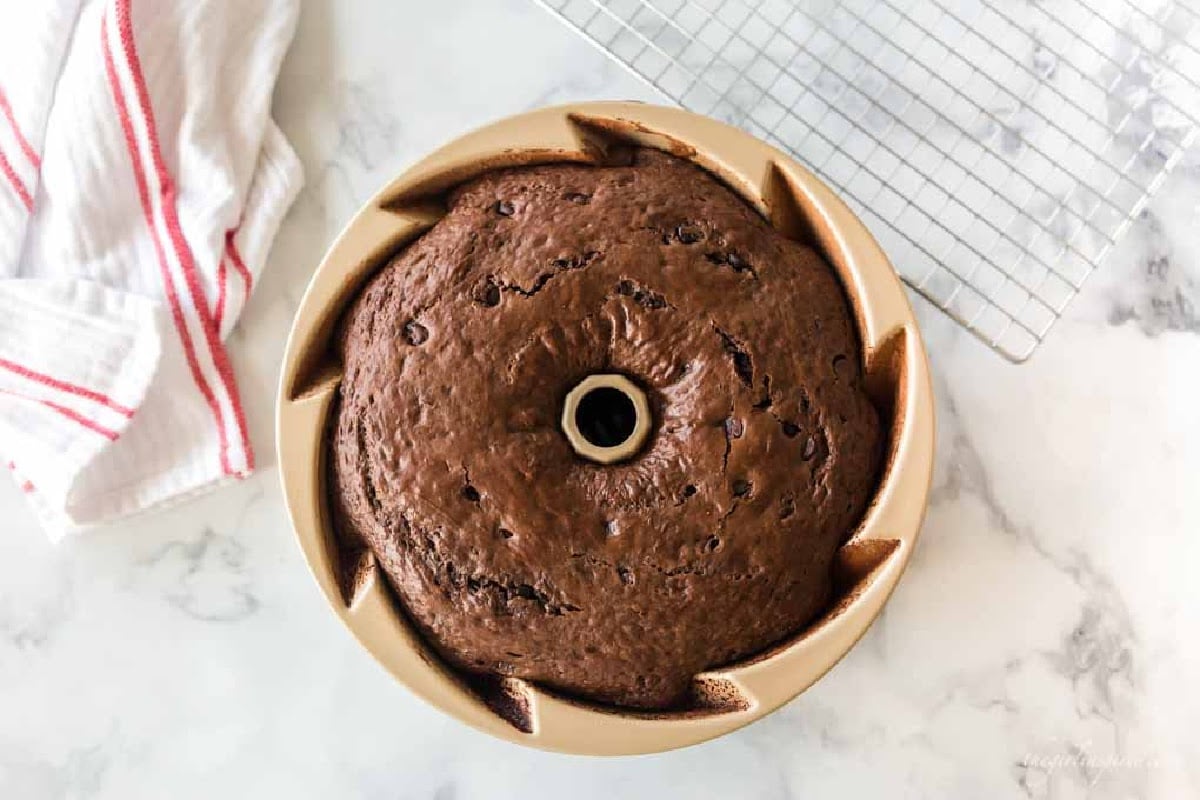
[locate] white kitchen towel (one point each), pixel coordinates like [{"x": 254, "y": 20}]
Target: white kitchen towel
[{"x": 142, "y": 181}]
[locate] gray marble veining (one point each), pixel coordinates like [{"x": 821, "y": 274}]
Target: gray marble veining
[{"x": 1037, "y": 647}]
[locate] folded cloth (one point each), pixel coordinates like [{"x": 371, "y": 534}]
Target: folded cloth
[{"x": 142, "y": 181}]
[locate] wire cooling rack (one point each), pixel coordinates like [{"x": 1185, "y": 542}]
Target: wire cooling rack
[{"x": 997, "y": 149}]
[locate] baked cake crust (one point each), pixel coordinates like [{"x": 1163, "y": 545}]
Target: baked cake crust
[{"x": 511, "y": 554}]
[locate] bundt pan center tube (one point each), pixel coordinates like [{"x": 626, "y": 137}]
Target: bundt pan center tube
[
  {"x": 609, "y": 421},
  {"x": 606, "y": 418}
]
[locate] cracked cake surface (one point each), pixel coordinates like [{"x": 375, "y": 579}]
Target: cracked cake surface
[{"x": 616, "y": 583}]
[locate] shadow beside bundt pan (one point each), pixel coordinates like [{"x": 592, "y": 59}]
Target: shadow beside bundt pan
[{"x": 867, "y": 565}]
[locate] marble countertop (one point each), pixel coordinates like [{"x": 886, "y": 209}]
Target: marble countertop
[{"x": 1036, "y": 647}]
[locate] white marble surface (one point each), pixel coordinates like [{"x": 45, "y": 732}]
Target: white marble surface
[{"x": 1042, "y": 643}]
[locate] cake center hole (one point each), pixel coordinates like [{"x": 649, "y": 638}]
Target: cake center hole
[{"x": 606, "y": 416}]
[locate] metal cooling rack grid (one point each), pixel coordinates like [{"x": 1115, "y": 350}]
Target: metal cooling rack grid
[{"x": 997, "y": 158}]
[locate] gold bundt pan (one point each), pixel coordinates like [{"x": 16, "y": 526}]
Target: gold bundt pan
[{"x": 797, "y": 204}]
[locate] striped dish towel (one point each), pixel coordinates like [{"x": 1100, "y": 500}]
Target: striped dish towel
[{"x": 141, "y": 184}]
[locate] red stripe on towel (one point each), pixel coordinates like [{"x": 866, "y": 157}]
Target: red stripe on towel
[
  {"x": 231, "y": 249},
  {"x": 26, "y": 148},
  {"x": 171, "y": 215},
  {"x": 64, "y": 386},
  {"x": 69, "y": 413},
  {"x": 222, "y": 279},
  {"x": 168, "y": 284},
  {"x": 15, "y": 181}
]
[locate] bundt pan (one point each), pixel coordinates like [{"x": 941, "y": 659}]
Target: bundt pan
[{"x": 867, "y": 566}]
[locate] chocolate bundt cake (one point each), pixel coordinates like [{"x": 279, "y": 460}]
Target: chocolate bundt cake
[{"x": 511, "y": 553}]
